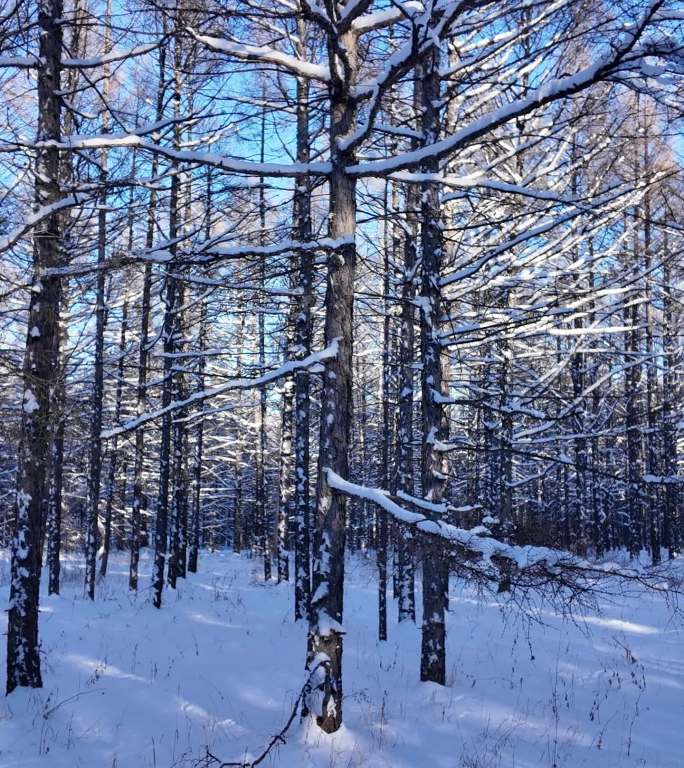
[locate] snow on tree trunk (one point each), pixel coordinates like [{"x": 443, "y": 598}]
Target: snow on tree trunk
[
  {"x": 407, "y": 600},
  {"x": 40, "y": 370},
  {"x": 139, "y": 499},
  {"x": 434, "y": 417},
  {"x": 302, "y": 340},
  {"x": 285, "y": 487},
  {"x": 325, "y": 629}
]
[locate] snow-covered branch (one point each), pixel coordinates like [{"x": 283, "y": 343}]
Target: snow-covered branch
[
  {"x": 484, "y": 557},
  {"x": 263, "y": 54},
  {"x": 310, "y": 361},
  {"x": 604, "y": 67}
]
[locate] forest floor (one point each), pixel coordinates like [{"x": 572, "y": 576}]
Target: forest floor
[{"x": 127, "y": 686}]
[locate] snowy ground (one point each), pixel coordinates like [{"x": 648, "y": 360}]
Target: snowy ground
[{"x": 127, "y": 686}]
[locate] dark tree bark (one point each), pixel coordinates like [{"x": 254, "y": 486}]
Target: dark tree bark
[
  {"x": 178, "y": 528},
  {"x": 434, "y": 418},
  {"x": 653, "y": 502},
  {"x": 325, "y": 632},
  {"x": 381, "y": 551},
  {"x": 262, "y": 517},
  {"x": 285, "y": 485},
  {"x": 93, "y": 515},
  {"x": 139, "y": 503},
  {"x": 56, "y": 481},
  {"x": 196, "y": 516},
  {"x": 40, "y": 369},
  {"x": 93, "y": 510},
  {"x": 303, "y": 331},
  {"x": 58, "y": 406},
  {"x": 671, "y": 512},
  {"x": 407, "y": 601},
  {"x": 240, "y": 539},
  {"x": 113, "y": 460},
  {"x": 179, "y": 504},
  {"x": 632, "y": 427},
  {"x": 169, "y": 330}
]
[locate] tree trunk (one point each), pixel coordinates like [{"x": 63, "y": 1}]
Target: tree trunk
[
  {"x": 435, "y": 423},
  {"x": 54, "y": 513},
  {"x": 169, "y": 330},
  {"x": 261, "y": 512},
  {"x": 671, "y": 512},
  {"x": 325, "y": 630},
  {"x": 285, "y": 488},
  {"x": 384, "y": 473},
  {"x": 303, "y": 331},
  {"x": 196, "y": 518},
  {"x": 632, "y": 429},
  {"x": 139, "y": 499},
  {"x": 113, "y": 461},
  {"x": 93, "y": 509},
  {"x": 407, "y": 600},
  {"x": 179, "y": 504},
  {"x": 92, "y": 530},
  {"x": 651, "y": 381},
  {"x": 40, "y": 369},
  {"x": 239, "y": 538}
]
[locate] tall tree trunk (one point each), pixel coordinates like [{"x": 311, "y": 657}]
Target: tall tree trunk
[
  {"x": 325, "y": 631},
  {"x": 386, "y": 427},
  {"x": 161, "y": 522},
  {"x": 407, "y": 601},
  {"x": 139, "y": 498},
  {"x": 169, "y": 330},
  {"x": 179, "y": 503},
  {"x": 285, "y": 485},
  {"x": 40, "y": 369},
  {"x": 54, "y": 510},
  {"x": 303, "y": 331},
  {"x": 93, "y": 514},
  {"x": 632, "y": 428},
  {"x": 179, "y": 495},
  {"x": 240, "y": 540},
  {"x": 113, "y": 461},
  {"x": 651, "y": 379},
  {"x": 196, "y": 518},
  {"x": 434, "y": 417},
  {"x": 599, "y": 526},
  {"x": 262, "y": 517},
  {"x": 58, "y": 406},
  {"x": 671, "y": 512},
  {"x": 577, "y": 373}
]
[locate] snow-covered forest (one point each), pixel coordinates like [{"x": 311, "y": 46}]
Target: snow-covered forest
[{"x": 334, "y": 325}]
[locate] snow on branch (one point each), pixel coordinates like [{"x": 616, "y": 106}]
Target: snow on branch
[
  {"x": 243, "y": 383},
  {"x": 378, "y": 19},
  {"x": 114, "y": 56},
  {"x": 161, "y": 254},
  {"x": 533, "y": 233},
  {"x": 265, "y": 55},
  {"x": 44, "y": 212},
  {"x": 604, "y": 67},
  {"x": 227, "y": 163},
  {"x": 19, "y": 62},
  {"x": 485, "y": 547},
  {"x": 487, "y": 559},
  {"x": 275, "y": 249},
  {"x": 32, "y": 62}
]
